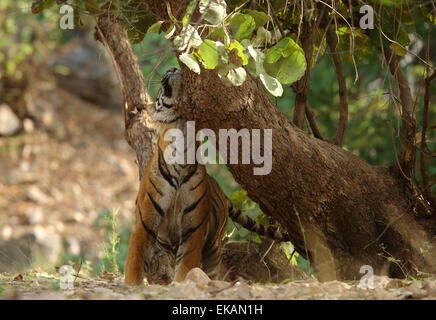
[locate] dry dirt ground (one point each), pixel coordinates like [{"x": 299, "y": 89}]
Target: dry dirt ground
[
  {"x": 39, "y": 285},
  {"x": 56, "y": 179}
]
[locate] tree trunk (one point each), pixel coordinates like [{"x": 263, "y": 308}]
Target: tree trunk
[
  {"x": 336, "y": 207},
  {"x": 339, "y": 211}
]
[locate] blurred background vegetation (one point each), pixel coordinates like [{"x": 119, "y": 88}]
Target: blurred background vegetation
[{"x": 29, "y": 41}]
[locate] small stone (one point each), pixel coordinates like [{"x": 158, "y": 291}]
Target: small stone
[
  {"x": 198, "y": 276},
  {"x": 28, "y": 125},
  {"x": 9, "y": 122},
  {"x": 6, "y": 232}
]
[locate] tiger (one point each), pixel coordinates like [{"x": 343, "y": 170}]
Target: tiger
[{"x": 181, "y": 212}]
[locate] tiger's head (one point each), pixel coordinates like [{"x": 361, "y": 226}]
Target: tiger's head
[{"x": 167, "y": 96}]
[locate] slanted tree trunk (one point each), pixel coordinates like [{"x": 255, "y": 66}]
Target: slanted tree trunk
[{"x": 340, "y": 211}]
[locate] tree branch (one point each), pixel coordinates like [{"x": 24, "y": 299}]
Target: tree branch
[
  {"x": 312, "y": 122},
  {"x": 301, "y": 87},
  {"x": 408, "y": 121},
  {"x": 424, "y": 148},
  {"x": 343, "y": 97},
  {"x": 139, "y": 132}
]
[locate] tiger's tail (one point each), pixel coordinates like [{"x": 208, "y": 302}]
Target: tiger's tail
[{"x": 270, "y": 232}]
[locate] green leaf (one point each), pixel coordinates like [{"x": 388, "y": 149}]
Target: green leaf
[
  {"x": 271, "y": 84},
  {"x": 240, "y": 51},
  {"x": 189, "y": 9},
  {"x": 208, "y": 53},
  {"x": 190, "y": 61},
  {"x": 237, "y": 76},
  {"x": 287, "y": 70},
  {"x": 286, "y": 62},
  {"x": 260, "y": 18},
  {"x": 188, "y": 37},
  {"x": 255, "y": 63},
  {"x": 214, "y": 11},
  {"x": 283, "y": 48},
  {"x": 219, "y": 34},
  {"x": 155, "y": 27},
  {"x": 222, "y": 53},
  {"x": 242, "y": 26},
  {"x": 263, "y": 36}
]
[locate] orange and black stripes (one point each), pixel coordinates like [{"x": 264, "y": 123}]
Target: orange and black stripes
[{"x": 181, "y": 211}]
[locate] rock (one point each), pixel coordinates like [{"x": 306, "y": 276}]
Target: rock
[
  {"x": 10, "y": 124},
  {"x": 198, "y": 276},
  {"x": 6, "y": 232},
  {"x": 86, "y": 70},
  {"x": 28, "y": 125}
]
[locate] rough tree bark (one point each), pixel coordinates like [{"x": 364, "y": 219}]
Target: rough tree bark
[{"x": 340, "y": 211}]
